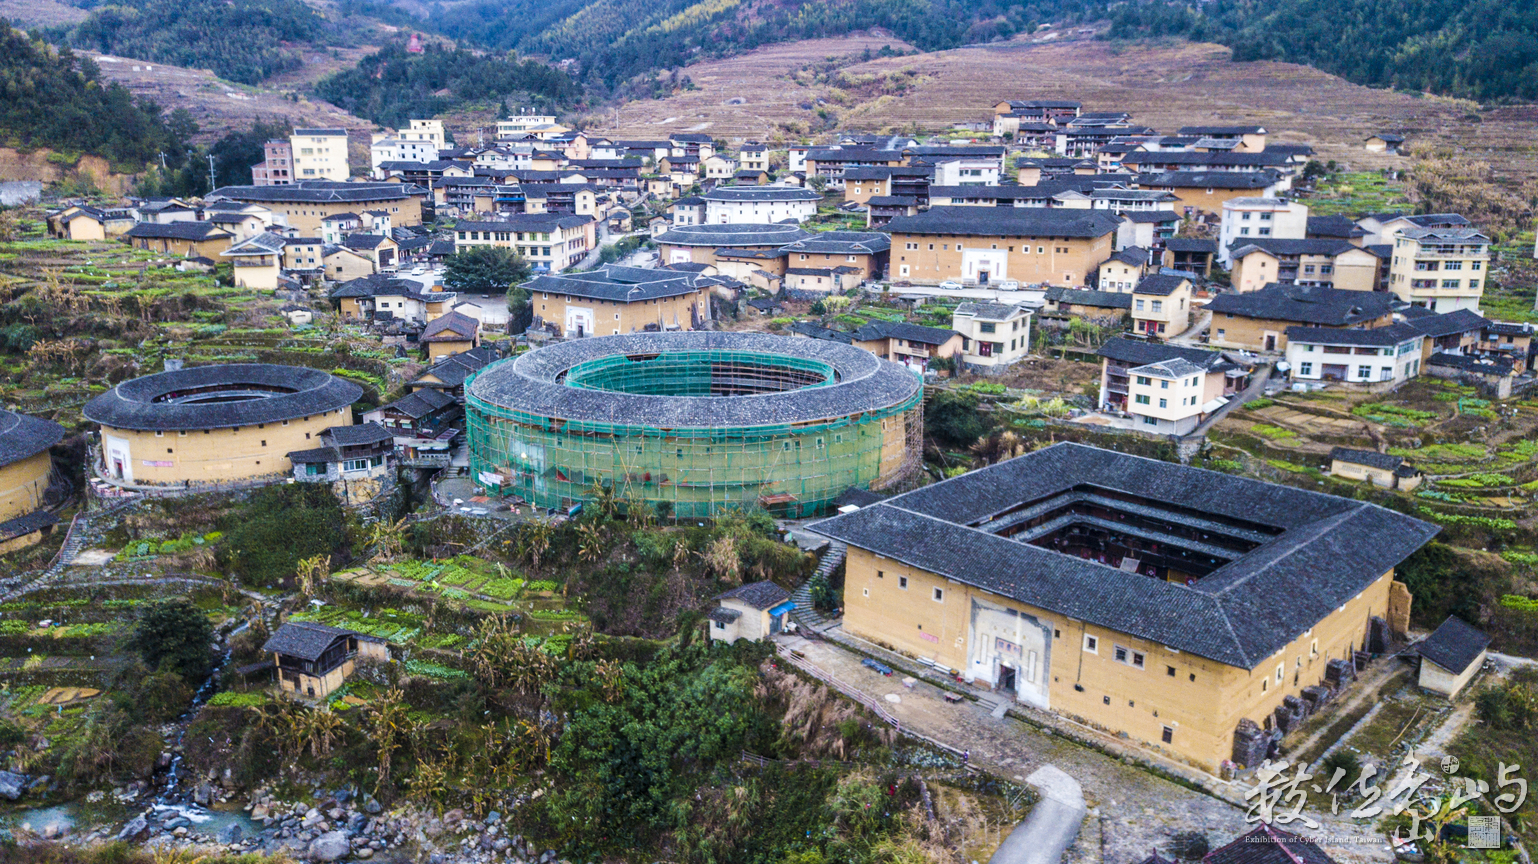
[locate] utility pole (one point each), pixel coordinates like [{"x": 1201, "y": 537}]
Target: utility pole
[{"x": 211, "y": 184}]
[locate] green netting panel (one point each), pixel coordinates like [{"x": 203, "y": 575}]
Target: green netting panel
[
  {"x": 700, "y": 373},
  {"x": 793, "y": 471}
]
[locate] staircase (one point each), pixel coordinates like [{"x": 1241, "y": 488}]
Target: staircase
[
  {"x": 805, "y": 615},
  {"x": 74, "y": 541}
]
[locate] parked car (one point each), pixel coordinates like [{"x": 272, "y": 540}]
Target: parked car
[
  {"x": 1009, "y": 285},
  {"x": 950, "y": 285}
]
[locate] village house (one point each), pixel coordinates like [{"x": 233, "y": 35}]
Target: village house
[
  {"x": 753, "y": 611},
  {"x": 909, "y": 344},
  {"x": 380, "y": 297},
  {"x": 1384, "y": 142},
  {"x": 89, "y": 223},
  {"x": 1121, "y": 271},
  {"x": 1204, "y": 192},
  {"x": 614, "y": 300},
  {"x": 449, "y": 374},
  {"x": 423, "y": 423},
  {"x": 1121, "y": 592},
  {"x": 1246, "y": 218},
  {"x": 1120, "y": 356},
  {"x": 303, "y": 205},
  {"x": 277, "y": 165},
  {"x": 698, "y": 244},
  {"x": 866, "y": 251},
  {"x": 1442, "y": 269},
  {"x": 1190, "y": 255},
  {"x": 379, "y": 249},
  {"x": 753, "y": 156},
  {"x": 1103, "y": 308},
  {"x": 319, "y": 154},
  {"x": 450, "y": 333},
  {"x": 984, "y": 245},
  {"x": 1258, "y": 320},
  {"x": 1370, "y": 466},
  {"x": 302, "y": 255},
  {"x": 1378, "y": 359},
  {"x": 187, "y": 239},
  {"x": 549, "y": 242},
  {"x": 1384, "y": 227},
  {"x": 1451, "y": 656},
  {"x": 1457, "y": 333},
  {"x": 1161, "y": 305},
  {"x": 1262, "y": 261},
  {"x": 993, "y": 335},
  {"x": 804, "y": 283},
  {"x": 1511, "y": 340},
  {"x": 257, "y": 261},
  {"x": 340, "y": 264},
  {"x": 742, "y": 205},
  {"x": 313, "y": 660}
]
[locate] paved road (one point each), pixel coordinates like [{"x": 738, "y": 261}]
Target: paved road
[
  {"x": 1188, "y": 338},
  {"x": 1053, "y": 824},
  {"x": 1257, "y": 386}
]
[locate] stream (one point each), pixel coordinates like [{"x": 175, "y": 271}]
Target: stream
[{"x": 172, "y": 804}]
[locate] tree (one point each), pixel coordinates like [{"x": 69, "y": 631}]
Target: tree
[
  {"x": 175, "y": 636},
  {"x": 952, "y": 418},
  {"x": 484, "y": 270},
  {"x": 520, "y": 310}
]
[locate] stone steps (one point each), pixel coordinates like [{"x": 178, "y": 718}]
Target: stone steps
[{"x": 804, "y": 613}]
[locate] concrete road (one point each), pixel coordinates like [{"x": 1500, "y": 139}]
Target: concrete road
[{"x": 1053, "y": 824}]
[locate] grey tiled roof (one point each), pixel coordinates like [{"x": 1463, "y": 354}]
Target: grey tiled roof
[
  {"x": 420, "y": 403},
  {"x": 25, "y": 524},
  {"x": 1269, "y": 845},
  {"x": 1191, "y": 244},
  {"x": 617, "y": 284},
  {"x": 1325, "y": 550},
  {"x": 1209, "y": 179},
  {"x": 306, "y": 640},
  {"x": 1448, "y": 323},
  {"x": 22, "y": 435},
  {"x": 1454, "y": 645},
  {"x": 1331, "y": 307},
  {"x": 315, "y": 192},
  {"x": 1381, "y": 337},
  {"x": 842, "y": 243},
  {"x": 1488, "y": 365},
  {"x": 530, "y": 383},
  {"x": 1161, "y": 284},
  {"x": 1007, "y": 222},
  {"x": 904, "y": 330},
  {"x": 1136, "y": 352},
  {"x": 453, "y": 327},
  {"x": 1283, "y": 246},
  {"x": 176, "y": 231},
  {"x": 761, "y": 193},
  {"x": 988, "y": 311},
  {"x": 1175, "y": 367},
  {"x": 357, "y": 435},
  {"x": 736, "y": 236},
  {"x": 759, "y": 595},
  {"x": 724, "y": 615},
  {"x": 1102, "y": 299},
  {"x": 286, "y": 392},
  {"x": 454, "y": 369},
  {"x": 1370, "y": 458}
]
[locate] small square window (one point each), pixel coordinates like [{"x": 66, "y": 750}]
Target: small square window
[
  {"x": 902, "y": 582},
  {"x": 865, "y": 592},
  {"x": 1170, "y": 671},
  {"x": 880, "y": 574},
  {"x": 1193, "y": 676},
  {"x": 1091, "y": 644},
  {"x": 168, "y": 449},
  {"x": 939, "y": 595},
  {"x": 1105, "y": 700},
  {"x": 1168, "y": 735}
]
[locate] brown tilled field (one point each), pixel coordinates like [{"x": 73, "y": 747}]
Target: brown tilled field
[
  {"x": 1164, "y": 86},
  {"x": 219, "y": 106}
]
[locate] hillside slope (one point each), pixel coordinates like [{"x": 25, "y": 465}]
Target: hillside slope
[
  {"x": 1476, "y": 49},
  {"x": 53, "y": 99}
]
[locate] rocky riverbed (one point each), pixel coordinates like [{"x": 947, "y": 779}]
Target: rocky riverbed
[{"x": 332, "y": 826}]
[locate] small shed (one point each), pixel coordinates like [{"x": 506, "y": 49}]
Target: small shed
[
  {"x": 313, "y": 660},
  {"x": 752, "y": 611},
  {"x": 1379, "y": 469},
  {"x": 1451, "y": 655}
]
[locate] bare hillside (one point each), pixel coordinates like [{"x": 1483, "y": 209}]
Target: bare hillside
[{"x": 1164, "y": 86}]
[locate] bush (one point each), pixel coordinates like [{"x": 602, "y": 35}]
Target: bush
[
  {"x": 265, "y": 541},
  {"x": 174, "y": 636},
  {"x": 1341, "y": 760}
]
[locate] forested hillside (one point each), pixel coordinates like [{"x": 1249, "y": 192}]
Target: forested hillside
[
  {"x": 242, "y": 40},
  {"x": 616, "y": 40},
  {"x": 391, "y": 86},
  {"x": 1478, "y": 49},
  {"x": 50, "y": 98}
]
